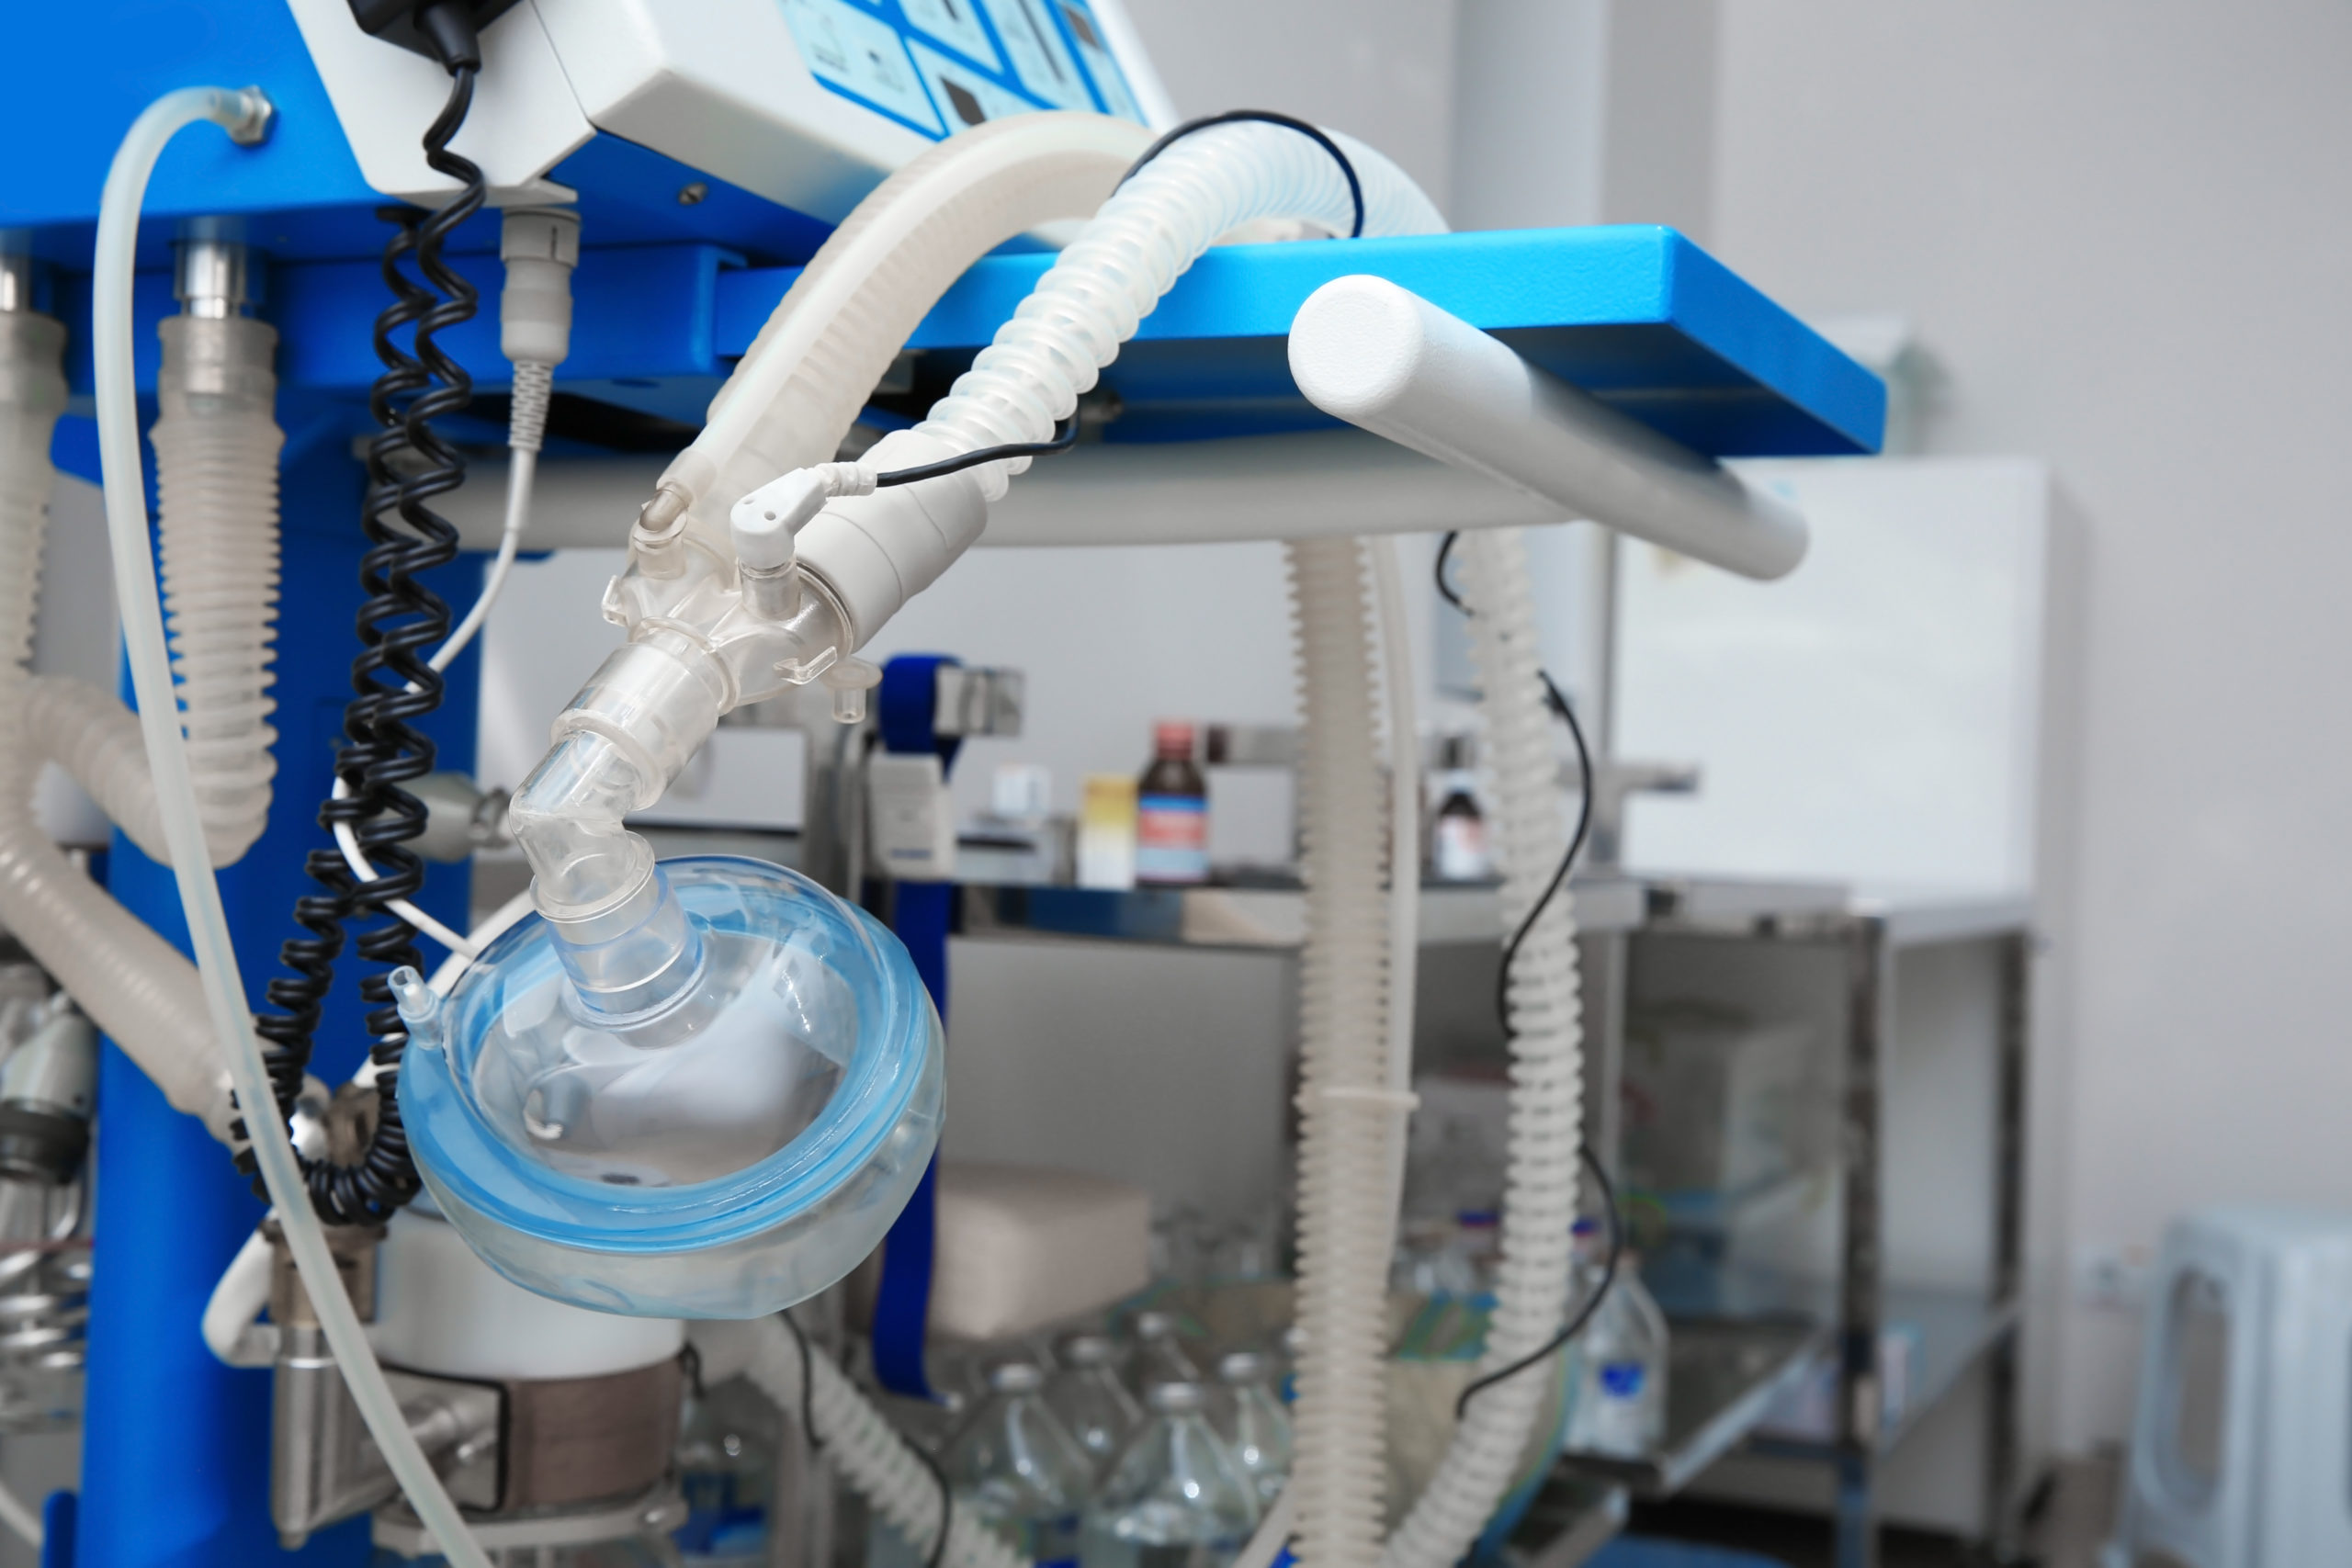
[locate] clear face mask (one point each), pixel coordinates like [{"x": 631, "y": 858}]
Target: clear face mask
[{"x": 723, "y": 1144}]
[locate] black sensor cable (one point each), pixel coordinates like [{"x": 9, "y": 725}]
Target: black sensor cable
[
  {"x": 1320, "y": 137},
  {"x": 1559, "y": 704},
  {"x": 400, "y": 623}
]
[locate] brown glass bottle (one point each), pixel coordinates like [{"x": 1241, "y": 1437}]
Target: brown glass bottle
[{"x": 1173, "y": 811}]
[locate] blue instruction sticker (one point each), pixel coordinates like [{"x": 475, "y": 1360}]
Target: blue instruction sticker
[
  {"x": 1109, "y": 79},
  {"x": 860, "y": 57},
  {"x": 967, "y": 97},
  {"x": 956, "y": 24},
  {"x": 1039, "y": 56}
]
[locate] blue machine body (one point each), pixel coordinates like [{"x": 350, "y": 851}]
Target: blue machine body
[{"x": 176, "y": 1448}]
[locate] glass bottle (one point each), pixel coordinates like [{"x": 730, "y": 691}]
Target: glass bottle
[
  {"x": 1620, "y": 1408},
  {"x": 1086, "y": 1393},
  {"x": 1254, "y": 1424},
  {"x": 1017, "y": 1467},
  {"x": 1160, "y": 1355},
  {"x": 1173, "y": 811},
  {"x": 1458, "y": 849},
  {"x": 1174, "y": 1499},
  {"x": 727, "y": 1466}
]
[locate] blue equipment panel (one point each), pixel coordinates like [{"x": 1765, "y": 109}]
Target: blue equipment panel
[{"x": 940, "y": 66}]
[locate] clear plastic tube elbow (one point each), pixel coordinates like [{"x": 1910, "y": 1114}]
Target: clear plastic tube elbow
[{"x": 698, "y": 650}]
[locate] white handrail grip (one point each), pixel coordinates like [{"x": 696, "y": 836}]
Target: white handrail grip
[{"x": 1383, "y": 358}]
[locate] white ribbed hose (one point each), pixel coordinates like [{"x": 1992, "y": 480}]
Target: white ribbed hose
[
  {"x": 132, "y": 982},
  {"x": 216, "y": 483},
  {"x": 873, "y": 1457},
  {"x": 1019, "y": 389},
  {"x": 1347, "y": 1113},
  {"x": 815, "y": 362},
  {"x": 1546, "y": 1064},
  {"x": 1091, "y": 300},
  {"x": 245, "y": 115},
  {"x": 215, "y": 475}
]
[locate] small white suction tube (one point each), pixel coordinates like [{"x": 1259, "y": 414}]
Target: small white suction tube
[{"x": 1385, "y": 358}]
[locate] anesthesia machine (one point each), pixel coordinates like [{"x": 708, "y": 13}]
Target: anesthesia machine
[{"x": 406, "y": 1236}]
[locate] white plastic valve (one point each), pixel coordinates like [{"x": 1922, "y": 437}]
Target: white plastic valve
[
  {"x": 762, "y": 527},
  {"x": 762, "y": 524}
]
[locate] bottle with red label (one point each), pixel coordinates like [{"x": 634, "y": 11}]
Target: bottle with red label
[{"x": 1173, "y": 811}]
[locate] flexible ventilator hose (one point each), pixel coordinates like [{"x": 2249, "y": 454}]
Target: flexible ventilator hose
[
  {"x": 630, "y": 729},
  {"x": 1534, "y": 1281},
  {"x": 799, "y": 386},
  {"x": 216, "y": 483},
  {"x": 1348, "y": 1113},
  {"x": 1092, "y": 299},
  {"x": 132, "y": 982},
  {"x": 875, "y": 1459},
  {"x": 215, "y": 475},
  {"x": 245, "y": 115}
]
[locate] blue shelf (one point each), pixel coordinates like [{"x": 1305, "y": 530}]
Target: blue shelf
[{"x": 1638, "y": 315}]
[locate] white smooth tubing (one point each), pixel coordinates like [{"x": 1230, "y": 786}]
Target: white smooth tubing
[
  {"x": 1385, "y": 358},
  {"x": 230, "y": 1331},
  {"x": 873, "y": 1457},
  {"x": 151, "y": 670},
  {"x": 1535, "y": 1277}
]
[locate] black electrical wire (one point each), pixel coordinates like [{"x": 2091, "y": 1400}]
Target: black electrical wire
[
  {"x": 946, "y": 1502},
  {"x": 807, "y": 1381},
  {"x": 400, "y": 623},
  {"x": 1263, "y": 116},
  {"x": 1065, "y": 437},
  {"x": 1559, "y": 704},
  {"x": 808, "y": 1430},
  {"x": 1575, "y": 1326}
]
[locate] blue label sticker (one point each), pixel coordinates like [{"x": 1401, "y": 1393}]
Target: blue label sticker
[
  {"x": 860, "y": 57},
  {"x": 967, "y": 97},
  {"x": 1623, "y": 1379},
  {"x": 1039, "y": 57},
  {"x": 1095, "y": 50},
  {"x": 956, "y": 24}
]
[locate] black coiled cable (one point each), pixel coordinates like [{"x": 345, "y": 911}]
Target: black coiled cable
[{"x": 401, "y": 622}]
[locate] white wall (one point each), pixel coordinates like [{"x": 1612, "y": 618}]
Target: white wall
[
  {"x": 2121, "y": 227},
  {"x": 1381, "y": 70}
]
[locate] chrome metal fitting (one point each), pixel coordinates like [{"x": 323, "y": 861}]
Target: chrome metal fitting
[
  {"x": 212, "y": 278},
  {"x": 16, "y": 279}
]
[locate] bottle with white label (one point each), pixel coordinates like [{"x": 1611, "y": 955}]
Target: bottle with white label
[
  {"x": 1173, "y": 811},
  {"x": 1458, "y": 851},
  {"x": 1620, "y": 1407}
]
